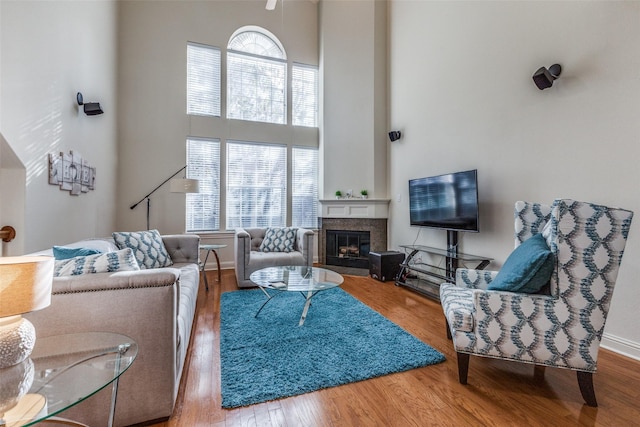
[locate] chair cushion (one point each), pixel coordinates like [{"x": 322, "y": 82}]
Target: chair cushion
[
  {"x": 147, "y": 246},
  {"x": 63, "y": 252},
  {"x": 281, "y": 239},
  {"x": 122, "y": 260},
  {"x": 527, "y": 269}
]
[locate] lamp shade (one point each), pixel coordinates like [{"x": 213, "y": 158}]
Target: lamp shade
[
  {"x": 185, "y": 185},
  {"x": 25, "y": 284}
]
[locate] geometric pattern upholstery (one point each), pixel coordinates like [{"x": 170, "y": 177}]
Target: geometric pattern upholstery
[
  {"x": 122, "y": 260},
  {"x": 147, "y": 246},
  {"x": 279, "y": 240},
  {"x": 561, "y": 329}
]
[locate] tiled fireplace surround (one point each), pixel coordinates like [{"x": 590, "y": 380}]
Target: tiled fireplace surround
[{"x": 354, "y": 215}]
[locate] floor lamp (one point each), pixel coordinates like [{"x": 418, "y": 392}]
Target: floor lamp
[{"x": 179, "y": 185}]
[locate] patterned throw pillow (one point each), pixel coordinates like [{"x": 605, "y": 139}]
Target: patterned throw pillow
[
  {"x": 99, "y": 263},
  {"x": 147, "y": 246},
  {"x": 279, "y": 240}
]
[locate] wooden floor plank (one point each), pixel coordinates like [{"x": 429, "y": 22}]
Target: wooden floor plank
[{"x": 498, "y": 393}]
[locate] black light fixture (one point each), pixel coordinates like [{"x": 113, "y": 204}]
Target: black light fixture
[
  {"x": 184, "y": 185},
  {"x": 90, "y": 108},
  {"x": 543, "y": 78},
  {"x": 395, "y": 135}
]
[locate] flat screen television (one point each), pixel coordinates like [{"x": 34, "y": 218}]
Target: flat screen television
[{"x": 448, "y": 201}]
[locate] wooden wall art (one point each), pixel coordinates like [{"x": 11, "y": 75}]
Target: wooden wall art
[{"x": 71, "y": 172}]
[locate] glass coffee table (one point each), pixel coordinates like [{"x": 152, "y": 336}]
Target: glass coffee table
[
  {"x": 306, "y": 280},
  {"x": 61, "y": 372}
]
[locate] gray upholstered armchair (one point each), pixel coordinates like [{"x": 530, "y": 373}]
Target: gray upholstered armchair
[
  {"x": 249, "y": 257},
  {"x": 560, "y": 328}
]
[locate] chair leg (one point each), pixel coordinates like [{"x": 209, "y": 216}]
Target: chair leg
[
  {"x": 585, "y": 381},
  {"x": 463, "y": 367}
]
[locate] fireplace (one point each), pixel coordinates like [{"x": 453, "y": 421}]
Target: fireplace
[
  {"x": 348, "y": 248},
  {"x": 363, "y": 223}
]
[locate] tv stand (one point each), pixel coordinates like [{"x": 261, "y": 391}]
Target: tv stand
[{"x": 425, "y": 278}]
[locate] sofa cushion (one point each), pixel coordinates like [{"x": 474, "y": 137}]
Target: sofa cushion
[
  {"x": 279, "y": 239},
  {"x": 63, "y": 252},
  {"x": 527, "y": 269},
  {"x": 122, "y": 260},
  {"x": 147, "y": 247}
]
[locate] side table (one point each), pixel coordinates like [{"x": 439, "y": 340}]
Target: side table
[
  {"x": 63, "y": 371},
  {"x": 209, "y": 249}
]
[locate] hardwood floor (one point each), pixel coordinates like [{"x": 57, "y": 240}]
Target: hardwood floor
[{"x": 498, "y": 392}]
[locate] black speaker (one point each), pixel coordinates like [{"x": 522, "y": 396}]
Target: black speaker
[
  {"x": 385, "y": 266},
  {"x": 92, "y": 109}
]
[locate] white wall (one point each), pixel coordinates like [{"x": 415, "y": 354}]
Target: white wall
[
  {"x": 353, "y": 66},
  {"x": 461, "y": 88},
  {"x": 49, "y": 51},
  {"x": 153, "y": 124}
]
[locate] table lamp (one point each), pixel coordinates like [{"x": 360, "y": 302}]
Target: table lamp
[{"x": 25, "y": 285}]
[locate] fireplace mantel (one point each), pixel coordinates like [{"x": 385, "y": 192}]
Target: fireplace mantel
[{"x": 355, "y": 208}]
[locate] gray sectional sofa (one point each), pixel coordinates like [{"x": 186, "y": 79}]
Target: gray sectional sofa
[{"x": 155, "y": 307}]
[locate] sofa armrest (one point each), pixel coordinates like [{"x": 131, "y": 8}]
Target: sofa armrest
[
  {"x": 242, "y": 243},
  {"x": 304, "y": 244},
  {"x": 183, "y": 247}
]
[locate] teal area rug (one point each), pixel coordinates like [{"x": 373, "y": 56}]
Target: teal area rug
[{"x": 341, "y": 341}]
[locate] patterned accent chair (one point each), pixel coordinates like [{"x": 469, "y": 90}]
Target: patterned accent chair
[{"x": 561, "y": 329}]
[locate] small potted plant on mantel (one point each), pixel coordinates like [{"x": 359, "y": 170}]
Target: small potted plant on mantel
[
  {"x": 364, "y": 194},
  {"x": 338, "y": 194}
]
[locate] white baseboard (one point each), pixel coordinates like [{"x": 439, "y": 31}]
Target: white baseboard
[{"x": 621, "y": 346}]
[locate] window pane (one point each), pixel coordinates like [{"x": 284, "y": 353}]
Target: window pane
[
  {"x": 256, "y": 43},
  {"x": 256, "y": 89},
  {"x": 304, "y": 191},
  {"x": 203, "y": 164},
  {"x": 203, "y": 80},
  {"x": 304, "y": 91},
  {"x": 256, "y": 185}
]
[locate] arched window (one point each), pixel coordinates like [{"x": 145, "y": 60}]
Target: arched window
[{"x": 256, "y": 77}]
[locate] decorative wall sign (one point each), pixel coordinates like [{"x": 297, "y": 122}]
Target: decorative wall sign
[{"x": 71, "y": 172}]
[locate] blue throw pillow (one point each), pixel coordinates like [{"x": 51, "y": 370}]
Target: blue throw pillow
[
  {"x": 527, "y": 269},
  {"x": 147, "y": 247},
  {"x": 62, "y": 252}
]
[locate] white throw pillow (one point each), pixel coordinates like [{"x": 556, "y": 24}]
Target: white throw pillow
[{"x": 109, "y": 262}]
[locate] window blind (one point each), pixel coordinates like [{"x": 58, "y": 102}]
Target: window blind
[
  {"x": 203, "y": 164},
  {"x": 203, "y": 80},
  {"x": 304, "y": 187},
  {"x": 304, "y": 93},
  {"x": 256, "y": 88},
  {"x": 256, "y": 185}
]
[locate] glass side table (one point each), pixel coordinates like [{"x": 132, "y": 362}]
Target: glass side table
[
  {"x": 63, "y": 371},
  {"x": 209, "y": 249}
]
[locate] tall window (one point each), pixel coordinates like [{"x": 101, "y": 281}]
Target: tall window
[
  {"x": 256, "y": 78},
  {"x": 256, "y": 185},
  {"x": 304, "y": 187},
  {"x": 203, "y": 80},
  {"x": 203, "y": 164},
  {"x": 304, "y": 93}
]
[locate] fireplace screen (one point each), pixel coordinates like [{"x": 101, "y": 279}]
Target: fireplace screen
[{"x": 348, "y": 248}]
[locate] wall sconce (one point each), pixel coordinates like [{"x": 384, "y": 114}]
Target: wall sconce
[
  {"x": 90, "y": 108},
  {"x": 544, "y": 78},
  {"x": 395, "y": 135}
]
